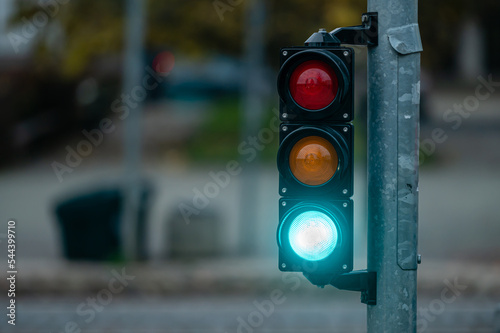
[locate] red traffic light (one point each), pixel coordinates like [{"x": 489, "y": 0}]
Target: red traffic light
[
  {"x": 316, "y": 84},
  {"x": 313, "y": 85}
]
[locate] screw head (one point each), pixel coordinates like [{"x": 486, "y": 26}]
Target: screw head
[
  {"x": 345, "y": 115},
  {"x": 344, "y": 266},
  {"x": 283, "y": 265},
  {"x": 345, "y": 129},
  {"x": 346, "y": 53},
  {"x": 284, "y": 128},
  {"x": 283, "y": 190},
  {"x": 344, "y": 191},
  {"x": 285, "y": 53},
  {"x": 283, "y": 203},
  {"x": 344, "y": 204},
  {"x": 285, "y": 115},
  {"x": 419, "y": 258}
]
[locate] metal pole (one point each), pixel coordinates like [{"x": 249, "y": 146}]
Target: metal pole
[
  {"x": 252, "y": 116},
  {"x": 393, "y": 140},
  {"x": 132, "y": 137}
]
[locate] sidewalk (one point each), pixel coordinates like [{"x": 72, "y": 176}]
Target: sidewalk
[{"x": 230, "y": 276}]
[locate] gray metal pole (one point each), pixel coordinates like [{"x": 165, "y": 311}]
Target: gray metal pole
[
  {"x": 393, "y": 140},
  {"x": 253, "y": 107},
  {"x": 132, "y": 73}
]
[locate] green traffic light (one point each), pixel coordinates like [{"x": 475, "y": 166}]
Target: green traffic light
[{"x": 313, "y": 235}]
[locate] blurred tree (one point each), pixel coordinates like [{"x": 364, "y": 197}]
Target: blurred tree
[
  {"x": 195, "y": 27},
  {"x": 85, "y": 30},
  {"x": 73, "y": 33},
  {"x": 293, "y": 21},
  {"x": 82, "y": 30}
]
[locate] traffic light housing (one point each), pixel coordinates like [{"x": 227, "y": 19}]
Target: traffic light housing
[{"x": 315, "y": 232}]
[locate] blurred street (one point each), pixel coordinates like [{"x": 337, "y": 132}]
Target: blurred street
[{"x": 138, "y": 161}]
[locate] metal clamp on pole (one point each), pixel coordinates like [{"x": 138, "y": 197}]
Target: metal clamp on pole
[
  {"x": 363, "y": 281},
  {"x": 365, "y": 34}
]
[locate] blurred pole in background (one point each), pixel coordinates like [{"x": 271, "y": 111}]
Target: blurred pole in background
[
  {"x": 471, "y": 57},
  {"x": 393, "y": 145},
  {"x": 253, "y": 107},
  {"x": 132, "y": 72},
  {"x": 496, "y": 319}
]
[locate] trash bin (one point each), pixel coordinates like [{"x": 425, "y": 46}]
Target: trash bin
[{"x": 90, "y": 224}]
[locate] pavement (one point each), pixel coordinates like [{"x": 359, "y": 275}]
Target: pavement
[
  {"x": 219, "y": 314},
  {"x": 227, "y": 276}
]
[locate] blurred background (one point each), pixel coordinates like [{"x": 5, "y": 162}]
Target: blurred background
[{"x": 137, "y": 163}]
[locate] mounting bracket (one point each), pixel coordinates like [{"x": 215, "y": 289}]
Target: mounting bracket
[
  {"x": 364, "y": 34},
  {"x": 363, "y": 281}
]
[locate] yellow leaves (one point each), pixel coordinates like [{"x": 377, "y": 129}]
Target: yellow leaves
[
  {"x": 89, "y": 41},
  {"x": 342, "y": 13}
]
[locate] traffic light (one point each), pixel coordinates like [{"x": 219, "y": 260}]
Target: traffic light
[
  {"x": 315, "y": 159},
  {"x": 316, "y": 84},
  {"x": 315, "y": 162}
]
